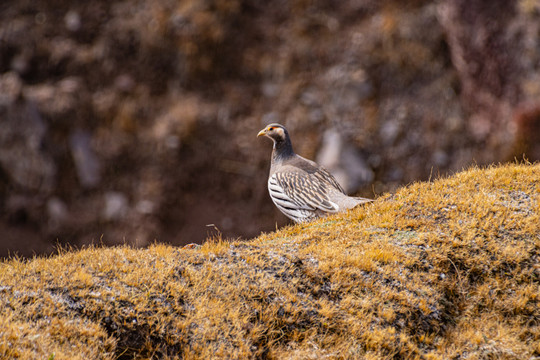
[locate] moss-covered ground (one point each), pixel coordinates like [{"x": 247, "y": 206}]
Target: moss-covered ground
[{"x": 448, "y": 269}]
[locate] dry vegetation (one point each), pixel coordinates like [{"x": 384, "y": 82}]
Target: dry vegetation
[{"x": 441, "y": 270}]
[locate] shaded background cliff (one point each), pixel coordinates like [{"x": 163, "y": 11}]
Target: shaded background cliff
[{"x": 133, "y": 121}]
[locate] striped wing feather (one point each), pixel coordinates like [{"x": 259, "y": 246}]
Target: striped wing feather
[{"x": 299, "y": 194}]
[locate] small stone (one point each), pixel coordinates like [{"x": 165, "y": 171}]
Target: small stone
[
  {"x": 116, "y": 206},
  {"x": 145, "y": 207},
  {"x": 390, "y": 131},
  {"x": 57, "y": 211},
  {"x": 86, "y": 162},
  {"x": 124, "y": 83},
  {"x": 72, "y": 20},
  {"x": 344, "y": 162},
  {"x": 10, "y": 88},
  {"x": 440, "y": 158},
  {"x": 20, "y": 63},
  {"x": 270, "y": 89},
  {"x": 22, "y": 156},
  {"x": 172, "y": 142}
]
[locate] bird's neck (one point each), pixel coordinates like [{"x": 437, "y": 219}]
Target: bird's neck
[{"x": 283, "y": 150}]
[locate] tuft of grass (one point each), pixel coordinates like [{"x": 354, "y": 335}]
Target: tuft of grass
[{"x": 439, "y": 270}]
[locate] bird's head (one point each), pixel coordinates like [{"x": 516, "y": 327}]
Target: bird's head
[
  {"x": 282, "y": 143},
  {"x": 276, "y": 132}
]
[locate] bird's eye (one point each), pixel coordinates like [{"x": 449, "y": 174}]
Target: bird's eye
[{"x": 270, "y": 128}]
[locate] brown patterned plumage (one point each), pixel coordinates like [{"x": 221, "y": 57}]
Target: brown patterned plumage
[{"x": 301, "y": 189}]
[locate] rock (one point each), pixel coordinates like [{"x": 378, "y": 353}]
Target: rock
[
  {"x": 86, "y": 162},
  {"x": 350, "y": 86},
  {"x": 20, "y": 63},
  {"x": 10, "y": 88},
  {"x": 57, "y": 212},
  {"x": 124, "y": 83},
  {"x": 72, "y": 21},
  {"x": 116, "y": 206},
  {"x": 60, "y": 101},
  {"x": 22, "y": 156},
  {"x": 145, "y": 207},
  {"x": 344, "y": 162}
]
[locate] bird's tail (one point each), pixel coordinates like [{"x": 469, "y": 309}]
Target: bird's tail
[{"x": 361, "y": 200}]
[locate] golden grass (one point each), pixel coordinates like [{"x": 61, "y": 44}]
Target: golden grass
[{"x": 439, "y": 270}]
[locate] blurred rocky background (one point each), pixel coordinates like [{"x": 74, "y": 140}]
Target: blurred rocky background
[{"x": 134, "y": 121}]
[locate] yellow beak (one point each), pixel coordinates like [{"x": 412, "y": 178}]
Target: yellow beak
[{"x": 262, "y": 132}]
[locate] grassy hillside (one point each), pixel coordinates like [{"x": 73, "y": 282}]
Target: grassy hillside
[{"x": 439, "y": 270}]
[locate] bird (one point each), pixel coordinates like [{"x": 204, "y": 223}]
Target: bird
[{"x": 300, "y": 188}]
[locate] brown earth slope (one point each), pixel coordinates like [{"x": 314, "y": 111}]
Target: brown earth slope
[{"x": 441, "y": 270}]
